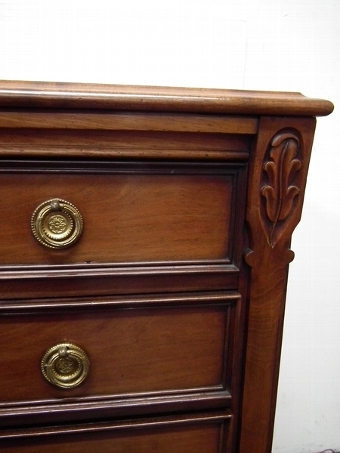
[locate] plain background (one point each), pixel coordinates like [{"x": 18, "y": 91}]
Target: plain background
[{"x": 283, "y": 45}]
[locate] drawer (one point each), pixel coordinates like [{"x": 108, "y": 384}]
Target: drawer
[
  {"x": 205, "y": 433},
  {"x": 165, "y": 350},
  {"x": 132, "y": 213}
]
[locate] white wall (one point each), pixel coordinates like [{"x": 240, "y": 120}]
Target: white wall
[{"x": 288, "y": 45}]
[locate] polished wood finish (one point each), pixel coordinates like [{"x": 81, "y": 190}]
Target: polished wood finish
[
  {"x": 192, "y": 334},
  {"x": 119, "y": 144},
  {"x": 176, "y": 288},
  {"x": 206, "y": 433},
  {"x": 161, "y": 99},
  {"x": 270, "y": 252},
  {"x": 128, "y": 216},
  {"x": 129, "y": 122}
]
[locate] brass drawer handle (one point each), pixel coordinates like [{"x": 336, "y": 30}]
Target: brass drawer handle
[
  {"x": 65, "y": 365},
  {"x": 56, "y": 223}
]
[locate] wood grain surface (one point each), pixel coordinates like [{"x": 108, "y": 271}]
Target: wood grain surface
[
  {"x": 206, "y": 433},
  {"x": 127, "y": 217},
  {"x": 176, "y": 288},
  {"x": 143, "y": 98}
]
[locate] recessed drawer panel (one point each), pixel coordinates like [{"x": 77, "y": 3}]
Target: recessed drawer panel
[
  {"x": 191, "y": 434},
  {"x": 131, "y": 213},
  {"x": 173, "y": 346}
]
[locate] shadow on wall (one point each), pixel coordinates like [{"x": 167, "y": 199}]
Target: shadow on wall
[{"x": 329, "y": 450}]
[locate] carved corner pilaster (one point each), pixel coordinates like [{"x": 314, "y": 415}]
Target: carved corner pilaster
[{"x": 277, "y": 177}]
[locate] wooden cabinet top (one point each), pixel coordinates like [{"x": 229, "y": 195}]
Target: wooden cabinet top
[{"x": 63, "y": 95}]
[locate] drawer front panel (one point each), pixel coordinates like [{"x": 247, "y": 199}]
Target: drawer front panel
[
  {"x": 166, "y": 213},
  {"x": 163, "y": 435},
  {"x": 160, "y": 350}
]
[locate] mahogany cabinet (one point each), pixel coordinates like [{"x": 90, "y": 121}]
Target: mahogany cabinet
[{"x": 144, "y": 248}]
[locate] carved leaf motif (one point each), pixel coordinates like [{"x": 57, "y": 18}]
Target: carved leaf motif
[{"x": 280, "y": 192}]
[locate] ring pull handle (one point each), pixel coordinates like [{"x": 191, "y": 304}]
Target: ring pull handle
[
  {"x": 55, "y": 205},
  {"x": 56, "y": 223},
  {"x": 65, "y": 365}
]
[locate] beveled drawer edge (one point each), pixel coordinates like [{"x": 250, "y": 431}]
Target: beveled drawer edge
[
  {"x": 32, "y": 285},
  {"x": 167, "y": 420},
  {"x": 32, "y": 413},
  {"x": 23, "y": 272},
  {"x": 125, "y": 153},
  {"x": 207, "y": 392},
  {"x": 175, "y": 299},
  {"x": 116, "y": 167}
]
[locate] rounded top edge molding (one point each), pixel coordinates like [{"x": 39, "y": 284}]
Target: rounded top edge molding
[{"x": 65, "y": 95}]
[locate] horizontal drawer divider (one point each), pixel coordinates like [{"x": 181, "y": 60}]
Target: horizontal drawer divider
[
  {"x": 45, "y": 283},
  {"x": 33, "y": 272},
  {"x": 176, "y": 299},
  {"x": 123, "y": 153},
  {"x": 168, "y": 420},
  {"x": 117, "y": 167},
  {"x": 11, "y": 415},
  {"x": 129, "y": 122}
]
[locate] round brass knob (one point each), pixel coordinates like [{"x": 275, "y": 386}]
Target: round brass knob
[
  {"x": 65, "y": 365},
  {"x": 56, "y": 223}
]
